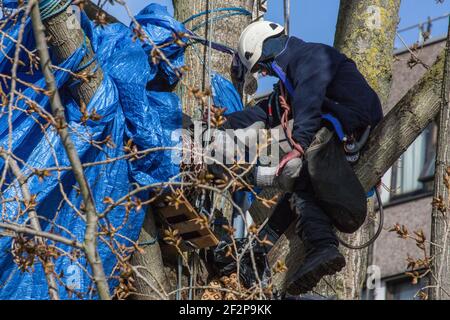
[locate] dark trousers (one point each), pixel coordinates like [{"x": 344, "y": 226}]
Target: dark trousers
[{"x": 313, "y": 225}]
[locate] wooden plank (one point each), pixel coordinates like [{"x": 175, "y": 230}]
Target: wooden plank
[
  {"x": 171, "y": 211},
  {"x": 186, "y": 226},
  {"x": 207, "y": 241},
  {"x": 189, "y": 226}
]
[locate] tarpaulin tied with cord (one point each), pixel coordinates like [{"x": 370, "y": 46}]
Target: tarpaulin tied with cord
[{"x": 130, "y": 107}]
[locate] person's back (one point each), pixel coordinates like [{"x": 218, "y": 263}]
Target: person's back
[{"x": 325, "y": 80}]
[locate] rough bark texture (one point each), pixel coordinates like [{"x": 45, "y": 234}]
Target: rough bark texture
[
  {"x": 152, "y": 263},
  {"x": 65, "y": 36},
  {"x": 226, "y": 31},
  {"x": 365, "y": 32},
  {"x": 440, "y": 219},
  {"x": 390, "y": 139}
]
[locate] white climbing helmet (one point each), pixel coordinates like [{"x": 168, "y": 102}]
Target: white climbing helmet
[{"x": 252, "y": 40}]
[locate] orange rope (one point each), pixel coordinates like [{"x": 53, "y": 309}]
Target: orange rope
[{"x": 286, "y": 108}]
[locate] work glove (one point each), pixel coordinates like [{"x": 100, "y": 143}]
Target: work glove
[{"x": 294, "y": 154}]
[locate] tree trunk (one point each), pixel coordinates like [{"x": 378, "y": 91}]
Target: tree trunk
[
  {"x": 440, "y": 219},
  {"x": 65, "y": 37},
  {"x": 365, "y": 32},
  {"x": 226, "y": 31},
  {"x": 202, "y": 61},
  {"x": 151, "y": 262}
]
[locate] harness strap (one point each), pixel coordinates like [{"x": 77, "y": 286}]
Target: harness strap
[
  {"x": 283, "y": 77},
  {"x": 336, "y": 124}
]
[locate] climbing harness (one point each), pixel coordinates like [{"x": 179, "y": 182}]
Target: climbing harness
[{"x": 352, "y": 147}]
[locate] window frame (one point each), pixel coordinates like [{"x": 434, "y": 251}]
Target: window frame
[{"x": 424, "y": 177}]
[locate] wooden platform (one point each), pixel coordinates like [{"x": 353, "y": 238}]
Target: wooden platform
[{"x": 186, "y": 221}]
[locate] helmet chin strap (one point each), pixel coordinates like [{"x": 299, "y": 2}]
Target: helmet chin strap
[{"x": 250, "y": 84}]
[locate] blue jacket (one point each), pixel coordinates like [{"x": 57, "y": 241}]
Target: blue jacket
[{"x": 320, "y": 80}]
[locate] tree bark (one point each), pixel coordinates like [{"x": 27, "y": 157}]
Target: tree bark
[
  {"x": 65, "y": 36},
  {"x": 440, "y": 218},
  {"x": 226, "y": 31},
  {"x": 151, "y": 262},
  {"x": 93, "y": 12},
  {"x": 365, "y": 32}
]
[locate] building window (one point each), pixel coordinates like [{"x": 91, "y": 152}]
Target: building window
[
  {"x": 403, "y": 289},
  {"x": 415, "y": 168},
  {"x": 398, "y": 288}
]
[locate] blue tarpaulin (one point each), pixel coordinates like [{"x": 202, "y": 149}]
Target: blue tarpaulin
[{"x": 129, "y": 109}]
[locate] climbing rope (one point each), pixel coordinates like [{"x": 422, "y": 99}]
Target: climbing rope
[
  {"x": 237, "y": 11},
  {"x": 215, "y": 19},
  {"x": 210, "y": 21},
  {"x": 84, "y": 51},
  {"x": 50, "y": 8}
]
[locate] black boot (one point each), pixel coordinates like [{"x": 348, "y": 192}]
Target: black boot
[{"x": 319, "y": 261}]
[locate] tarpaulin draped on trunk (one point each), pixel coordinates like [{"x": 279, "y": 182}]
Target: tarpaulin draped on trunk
[{"x": 128, "y": 108}]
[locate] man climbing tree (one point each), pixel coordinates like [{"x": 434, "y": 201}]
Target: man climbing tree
[{"x": 317, "y": 85}]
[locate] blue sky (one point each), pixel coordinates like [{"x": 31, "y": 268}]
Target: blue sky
[{"x": 315, "y": 20}]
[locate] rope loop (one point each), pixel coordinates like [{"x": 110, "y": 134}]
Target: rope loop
[
  {"x": 51, "y": 8},
  {"x": 237, "y": 11}
]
